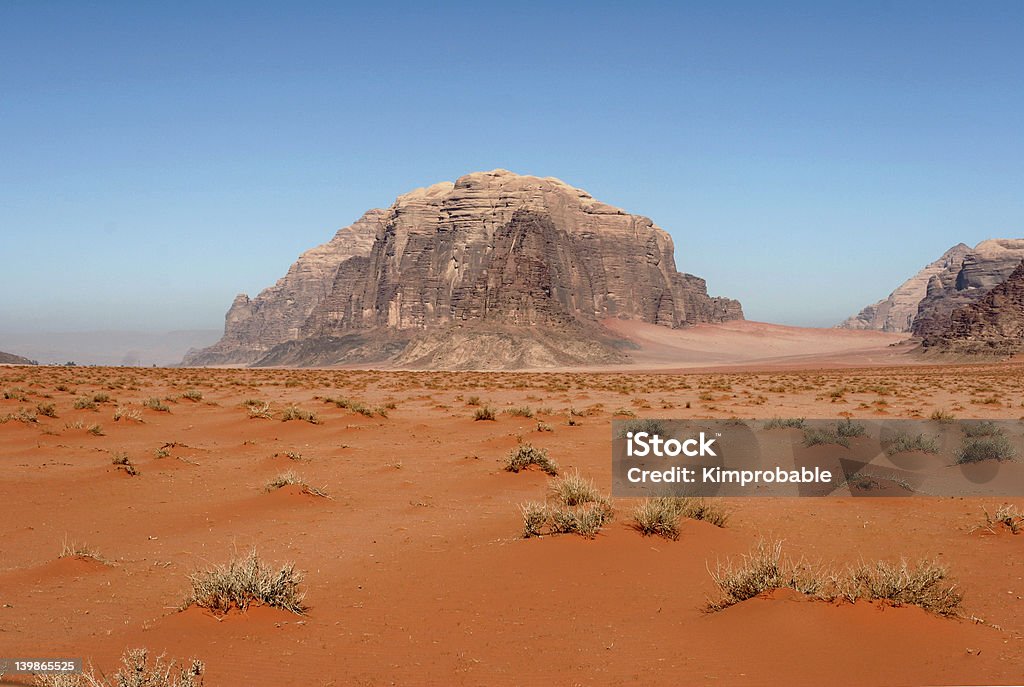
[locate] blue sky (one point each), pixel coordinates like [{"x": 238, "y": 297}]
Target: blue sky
[{"x": 158, "y": 158}]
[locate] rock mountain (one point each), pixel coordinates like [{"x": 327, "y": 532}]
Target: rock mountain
[
  {"x": 897, "y": 312},
  {"x": 923, "y": 305},
  {"x": 496, "y": 270},
  {"x": 992, "y": 325}
]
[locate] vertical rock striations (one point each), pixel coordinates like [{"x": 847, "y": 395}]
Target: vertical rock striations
[
  {"x": 496, "y": 270},
  {"x": 992, "y": 325},
  {"x": 897, "y": 312}
]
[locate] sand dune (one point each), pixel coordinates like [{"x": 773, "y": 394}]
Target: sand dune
[{"x": 758, "y": 345}]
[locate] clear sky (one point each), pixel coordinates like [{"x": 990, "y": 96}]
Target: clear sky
[{"x": 158, "y": 158}]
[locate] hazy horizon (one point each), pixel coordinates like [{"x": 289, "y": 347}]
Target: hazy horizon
[{"x": 806, "y": 160}]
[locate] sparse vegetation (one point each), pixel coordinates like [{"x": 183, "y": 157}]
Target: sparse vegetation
[
  {"x": 122, "y": 462},
  {"x": 978, "y": 448},
  {"x": 765, "y": 569},
  {"x": 46, "y": 409},
  {"x": 85, "y": 403},
  {"x": 923, "y": 585},
  {"x": 154, "y": 403},
  {"x": 762, "y": 570},
  {"x": 904, "y": 443},
  {"x": 245, "y": 581},
  {"x": 484, "y": 413},
  {"x": 943, "y": 416},
  {"x": 70, "y": 549},
  {"x": 784, "y": 423},
  {"x": 1007, "y": 516},
  {"x": 193, "y": 395},
  {"x": 521, "y": 411},
  {"x": 525, "y": 455},
  {"x": 259, "y": 410},
  {"x": 814, "y": 437},
  {"x": 136, "y": 671},
  {"x": 649, "y": 425},
  {"x": 124, "y": 413},
  {"x": 660, "y": 516},
  {"x": 297, "y": 413},
  {"x": 289, "y": 478}
]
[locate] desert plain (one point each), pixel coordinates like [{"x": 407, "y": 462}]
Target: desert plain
[{"x": 120, "y": 483}]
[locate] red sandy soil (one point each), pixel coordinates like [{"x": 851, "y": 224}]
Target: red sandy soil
[
  {"x": 416, "y": 572},
  {"x": 759, "y": 346}
]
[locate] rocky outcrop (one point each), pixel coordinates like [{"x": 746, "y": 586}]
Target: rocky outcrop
[
  {"x": 253, "y": 326},
  {"x": 986, "y": 266},
  {"x": 897, "y": 312},
  {"x": 496, "y": 270},
  {"x": 11, "y": 359},
  {"x": 993, "y": 325}
]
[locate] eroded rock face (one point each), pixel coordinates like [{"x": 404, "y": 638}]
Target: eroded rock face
[
  {"x": 496, "y": 270},
  {"x": 253, "y": 326},
  {"x": 897, "y": 312},
  {"x": 993, "y": 325},
  {"x": 986, "y": 266}
]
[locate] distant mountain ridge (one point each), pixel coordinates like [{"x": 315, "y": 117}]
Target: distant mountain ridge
[
  {"x": 11, "y": 359},
  {"x": 496, "y": 270},
  {"x": 923, "y": 305},
  {"x": 897, "y": 312}
]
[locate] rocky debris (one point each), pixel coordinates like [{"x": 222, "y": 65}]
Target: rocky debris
[
  {"x": 496, "y": 270},
  {"x": 993, "y": 325},
  {"x": 11, "y": 359},
  {"x": 897, "y": 312},
  {"x": 984, "y": 267}
]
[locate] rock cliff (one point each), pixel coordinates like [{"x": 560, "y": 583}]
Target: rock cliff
[
  {"x": 993, "y": 325},
  {"x": 987, "y": 265},
  {"x": 496, "y": 270},
  {"x": 897, "y": 312}
]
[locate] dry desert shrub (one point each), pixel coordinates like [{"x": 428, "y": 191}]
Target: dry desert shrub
[
  {"x": 124, "y": 413},
  {"x": 1006, "y": 515},
  {"x": 484, "y": 413},
  {"x": 660, "y": 516},
  {"x": 904, "y": 443},
  {"x": 121, "y": 462},
  {"x": 288, "y": 478},
  {"x": 976, "y": 449},
  {"x": 573, "y": 489},
  {"x": 74, "y": 550},
  {"x": 783, "y": 423},
  {"x": 925, "y": 584},
  {"x": 193, "y": 395},
  {"x": 136, "y": 671},
  {"x": 245, "y": 581},
  {"x": 576, "y": 507},
  {"x": 154, "y": 403},
  {"x": 46, "y": 409},
  {"x": 258, "y": 410},
  {"x": 762, "y": 570},
  {"x": 297, "y": 413},
  {"x": 525, "y": 455}
]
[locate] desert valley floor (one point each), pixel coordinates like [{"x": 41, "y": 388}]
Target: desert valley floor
[{"x": 416, "y": 571}]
